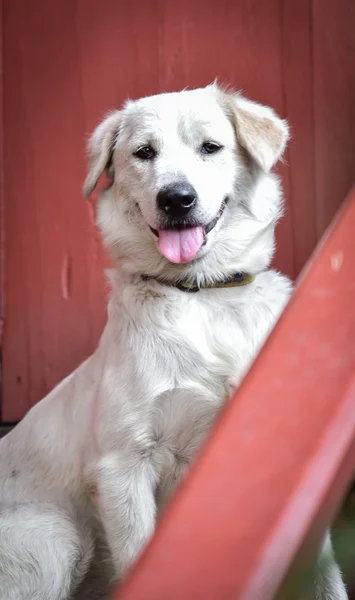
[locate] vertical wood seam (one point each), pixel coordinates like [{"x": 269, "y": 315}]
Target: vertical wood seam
[
  {"x": 288, "y": 173},
  {"x": 2, "y": 211},
  {"x": 314, "y": 136},
  {"x": 2, "y": 208}
]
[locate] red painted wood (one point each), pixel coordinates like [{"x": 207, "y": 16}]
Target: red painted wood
[
  {"x": 2, "y": 203},
  {"x": 297, "y": 79},
  {"x": 334, "y": 104},
  {"x": 54, "y": 295},
  {"x": 2, "y": 223},
  {"x": 278, "y": 461}
]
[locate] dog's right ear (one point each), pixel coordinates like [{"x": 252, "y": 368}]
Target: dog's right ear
[
  {"x": 259, "y": 130},
  {"x": 100, "y": 149}
]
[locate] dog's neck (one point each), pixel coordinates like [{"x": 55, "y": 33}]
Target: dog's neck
[{"x": 187, "y": 285}]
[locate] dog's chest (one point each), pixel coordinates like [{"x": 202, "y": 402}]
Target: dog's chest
[
  {"x": 188, "y": 356},
  {"x": 205, "y": 346},
  {"x": 188, "y": 360},
  {"x": 197, "y": 344},
  {"x": 199, "y": 357}
]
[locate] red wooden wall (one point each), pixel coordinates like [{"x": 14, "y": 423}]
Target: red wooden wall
[{"x": 65, "y": 63}]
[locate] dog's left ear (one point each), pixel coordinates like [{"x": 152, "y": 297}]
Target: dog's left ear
[
  {"x": 100, "y": 149},
  {"x": 259, "y": 130}
]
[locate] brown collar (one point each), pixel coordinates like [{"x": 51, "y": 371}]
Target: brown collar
[{"x": 236, "y": 280}]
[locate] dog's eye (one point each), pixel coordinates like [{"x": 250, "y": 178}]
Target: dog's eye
[
  {"x": 145, "y": 153},
  {"x": 210, "y": 147}
]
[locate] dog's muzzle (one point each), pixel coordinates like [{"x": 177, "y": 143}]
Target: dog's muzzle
[{"x": 180, "y": 239}]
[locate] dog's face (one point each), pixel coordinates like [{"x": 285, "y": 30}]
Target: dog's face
[
  {"x": 177, "y": 163},
  {"x": 178, "y": 154}
]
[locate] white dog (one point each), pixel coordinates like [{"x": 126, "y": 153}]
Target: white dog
[{"x": 189, "y": 221}]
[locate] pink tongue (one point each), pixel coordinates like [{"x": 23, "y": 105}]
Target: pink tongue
[{"x": 180, "y": 246}]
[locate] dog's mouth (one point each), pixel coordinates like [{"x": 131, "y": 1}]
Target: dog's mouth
[{"x": 180, "y": 242}]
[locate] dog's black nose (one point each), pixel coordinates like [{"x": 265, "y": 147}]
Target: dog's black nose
[{"x": 177, "y": 200}]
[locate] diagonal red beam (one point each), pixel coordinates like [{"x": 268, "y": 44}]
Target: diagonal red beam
[{"x": 280, "y": 457}]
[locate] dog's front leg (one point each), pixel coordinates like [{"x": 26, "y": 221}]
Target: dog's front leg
[
  {"x": 329, "y": 583},
  {"x": 126, "y": 504}
]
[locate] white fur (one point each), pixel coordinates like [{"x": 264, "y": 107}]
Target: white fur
[{"x": 85, "y": 474}]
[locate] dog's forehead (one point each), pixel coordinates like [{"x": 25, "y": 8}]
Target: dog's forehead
[{"x": 187, "y": 113}]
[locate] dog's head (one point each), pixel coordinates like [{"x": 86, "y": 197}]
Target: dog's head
[{"x": 191, "y": 186}]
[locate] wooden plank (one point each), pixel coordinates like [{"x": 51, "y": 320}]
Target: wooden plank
[
  {"x": 334, "y": 104},
  {"x": 297, "y": 82},
  {"x": 2, "y": 213},
  {"x": 49, "y": 258},
  {"x": 278, "y": 461},
  {"x": 67, "y": 63}
]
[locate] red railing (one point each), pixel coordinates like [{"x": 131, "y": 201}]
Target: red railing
[{"x": 281, "y": 456}]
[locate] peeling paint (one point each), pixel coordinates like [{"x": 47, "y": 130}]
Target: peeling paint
[
  {"x": 66, "y": 278},
  {"x": 336, "y": 260}
]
